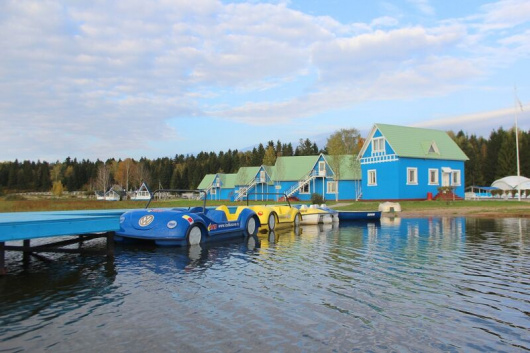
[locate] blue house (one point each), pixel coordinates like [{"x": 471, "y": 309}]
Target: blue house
[
  {"x": 406, "y": 163},
  {"x": 218, "y": 186},
  {"x": 333, "y": 177},
  {"x": 256, "y": 182}
]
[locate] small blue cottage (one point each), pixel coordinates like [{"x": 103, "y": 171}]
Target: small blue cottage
[
  {"x": 254, "y": 182},
  {"x": 406, "y": 163},
  {"x": 333, "y": 177},
  {"x": 218, "y": 186}
]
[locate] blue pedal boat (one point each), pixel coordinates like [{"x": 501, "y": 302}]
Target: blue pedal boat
[{"x": 185, "y": 226}]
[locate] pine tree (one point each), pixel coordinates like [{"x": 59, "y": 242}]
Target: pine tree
[{"x": 507, "y": 157}]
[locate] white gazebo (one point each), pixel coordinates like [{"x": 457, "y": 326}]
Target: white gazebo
[{"x": 514, "y": 183}]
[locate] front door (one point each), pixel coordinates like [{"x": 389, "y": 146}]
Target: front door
[{"x": 446, "y": 179}]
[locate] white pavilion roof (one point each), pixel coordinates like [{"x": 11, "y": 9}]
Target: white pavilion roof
[{"x": 513, "y": 182}]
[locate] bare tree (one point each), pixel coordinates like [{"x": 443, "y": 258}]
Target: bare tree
[
  {"x": 103, "y": 178},
  {"x": 141, "y": 174}
]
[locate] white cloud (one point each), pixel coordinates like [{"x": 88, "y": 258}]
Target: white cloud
[
  {"x": 423, "y": 6},
  {"x": 481, "y": 123},
  {"x": 506, "y": 13},
  {"x": 385, "y": 21},
  {"x": 77, "y": 76}
]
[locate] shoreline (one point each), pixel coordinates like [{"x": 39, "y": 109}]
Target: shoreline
[{"x": 470, "y": 212}]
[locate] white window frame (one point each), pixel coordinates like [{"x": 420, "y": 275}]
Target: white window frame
[
  {"x": 414, "y": 180},
  {"x": 434, "y": 172},
  {"x": 331, "y": 187},
  {"x": 372, "y": 177},
  {"x": 213, "y": 191},
  {"x": 456, "y": 178},
  {"x": 378, "y": 145},
  {"x": 322, "y": 168},
  {"x": 305, "y": 189}
]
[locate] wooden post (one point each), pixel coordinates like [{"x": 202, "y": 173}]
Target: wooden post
[
  {"x": 3, "y": 270},
  {"x": 26, "y": 251}
]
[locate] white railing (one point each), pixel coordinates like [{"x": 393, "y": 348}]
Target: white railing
[
  {"x": 244, "y": 190},
  {"x": 301, "y": 183},
  {"x": 207, "y": 190}
]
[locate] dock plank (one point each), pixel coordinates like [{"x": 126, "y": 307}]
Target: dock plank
[{"x": 32, "y": 225}]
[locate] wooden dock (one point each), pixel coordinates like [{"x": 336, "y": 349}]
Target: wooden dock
[{"x": 83, "y": 225}]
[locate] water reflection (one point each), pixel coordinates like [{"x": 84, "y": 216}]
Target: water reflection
[
  {"x": 427, "y": 284},
  {"x": 162, "y": 259},
  {"x": 63, "y": 289}
]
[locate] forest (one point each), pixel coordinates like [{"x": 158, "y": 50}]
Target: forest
[{"x": 489, "y": 159}]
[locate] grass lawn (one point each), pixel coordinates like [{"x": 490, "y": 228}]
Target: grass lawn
[{"x": 497, "y": 207}]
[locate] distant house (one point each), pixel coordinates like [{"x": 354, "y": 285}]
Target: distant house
[
  {"x": 142, "y": 194},
  {"x": 115, "y": 193},
  {"x": 255, "y": 182},
  {"x": 218, "y": 186},
  {"x": 406, "y": 163},
  {"x": 333, "y": 177}
]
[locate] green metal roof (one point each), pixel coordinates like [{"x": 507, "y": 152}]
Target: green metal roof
[
  {"x": 297, "y": 167},
  {"x": 293, "y": 167},
  {"x": 206, "y": 181},
  {"x": 245, "y": 175},
  {"x": 228, "y": 180},
  {"x": 416, "y": 142}
]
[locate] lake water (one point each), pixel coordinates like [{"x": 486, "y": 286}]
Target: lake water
[{"x": 402, "y": 285}]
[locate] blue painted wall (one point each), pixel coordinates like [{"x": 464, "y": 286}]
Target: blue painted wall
[
  {"x": 391, "y": 175},
  {"x": 392, "y": 179}
]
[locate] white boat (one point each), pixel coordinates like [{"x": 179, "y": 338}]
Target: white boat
[{"x": 314, "y": 215}]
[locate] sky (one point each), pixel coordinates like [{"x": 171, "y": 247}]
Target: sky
[{"x": 132, "y": 78}]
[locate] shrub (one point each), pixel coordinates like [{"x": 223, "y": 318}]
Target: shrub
[
  {"x": 15, "y": 197},
  {"x": 317, "y": 199},
  {"x": 57, "y": 188}
]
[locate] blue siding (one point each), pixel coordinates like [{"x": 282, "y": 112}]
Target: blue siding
[
  {"x": 392, "y": 179},
  {"x": 259, "y": 191},
  {"x": 387, "y": 181}
]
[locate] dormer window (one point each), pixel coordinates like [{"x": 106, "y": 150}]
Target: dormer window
[
  {"x": 378, "y": 145},
  {"x": 434, "y": 149}
]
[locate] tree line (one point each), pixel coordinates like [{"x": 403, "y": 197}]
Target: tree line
[
  {"x": 179, "y": 172},
  {"x": 489, "y": 159}
]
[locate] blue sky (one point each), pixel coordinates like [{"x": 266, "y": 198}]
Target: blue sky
[{"x": 134, "y": 78}]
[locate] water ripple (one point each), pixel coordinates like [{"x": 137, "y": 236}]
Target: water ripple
[{"x": 418, "y": 285}]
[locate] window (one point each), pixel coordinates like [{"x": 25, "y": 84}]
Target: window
[
  {"x": 456, "y": 177},
  {"x": 213, "y": 191},
  {"x": 433, "y": 176},
  {"x": 305, "y": 189},
  {"x": 434, "y": 148},
  {"x": 332, "y": 187},
  {"x": 321, "y": 168},
  {"x": 372, "y": 177},
  {"x": 378, "y": 145},
  {"x": 412, "y": 176}
]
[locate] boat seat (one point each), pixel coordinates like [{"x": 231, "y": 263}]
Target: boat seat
[
  {"x": 223, "y": 208},
  {"x": 217, "y": 216},
  {"x": 195, "y": 209}
]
